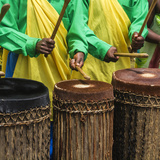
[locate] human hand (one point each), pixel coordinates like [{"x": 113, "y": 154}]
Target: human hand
[
  {"x": 137, "y": 42},
  {"x": 78, "y": 60},
  {"x": 45, "y": 46},
  {"x": 110, "y": 57}
]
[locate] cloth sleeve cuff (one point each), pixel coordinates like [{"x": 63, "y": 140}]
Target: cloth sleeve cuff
[{"x": 31, "y": 47}]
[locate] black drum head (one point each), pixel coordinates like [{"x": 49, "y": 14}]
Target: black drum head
[{"x": 22, "y": 94}]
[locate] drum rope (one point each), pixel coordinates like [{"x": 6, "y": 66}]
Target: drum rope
[
  {"x": 38, "y": 115},
  {"x": 83, "y": 112},
  {"x": 138, "y": 100},
  {"x": 83, "y": 107}
]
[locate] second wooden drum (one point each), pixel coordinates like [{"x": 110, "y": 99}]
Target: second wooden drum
[
  {"x": 83, "y": 120},
  {"x": 137, "y": 114}
]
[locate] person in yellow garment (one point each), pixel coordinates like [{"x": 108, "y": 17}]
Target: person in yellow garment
[
  {"x": 116, "y": 22},
  {"x": 25, "y": 32},
  {"x": 152, "y": 41}
]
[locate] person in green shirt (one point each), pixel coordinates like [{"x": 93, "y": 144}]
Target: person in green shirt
[
  {"x": 136, "y": 11},
  {"x": 14, "y": 39}
]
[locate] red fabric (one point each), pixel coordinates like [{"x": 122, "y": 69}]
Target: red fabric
[{"x": 155, "y": 61}]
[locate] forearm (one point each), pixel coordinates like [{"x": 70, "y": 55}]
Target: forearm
[
  {"x": 139, "y": 14},
  {"x": 76, "y": 38},
  {"x": 152, "y": 37},
  {"x": 13, "y": 27},
  {"x": 17, "y": 42}
]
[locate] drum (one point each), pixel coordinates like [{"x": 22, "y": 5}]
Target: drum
[
  {"x": 83, "y": 120},
  {"x": 137, "y": 118},
  {"x": 24, "y": 120}
]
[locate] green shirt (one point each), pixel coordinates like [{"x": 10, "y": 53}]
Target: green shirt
[
  {"x": 79, "y": 37},
  {"x": 13, "y": 27},
  {"x": 136, "y": 11}
]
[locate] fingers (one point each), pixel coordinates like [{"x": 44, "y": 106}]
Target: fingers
[
  {"x": 110, "y": 57},
  {"x": 72, "y": 64},
  {"x": 137, "y": 41},
  {"x": 45, "y": 46},
  {"x": 78, "y": 60}
]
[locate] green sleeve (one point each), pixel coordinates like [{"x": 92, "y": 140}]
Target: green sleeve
[
  {"x": 137, "y": 11},
  {"x": 12, "y": 29},
  {"x": 96, "y": 47},
  {"x": 76, "y": 37}
]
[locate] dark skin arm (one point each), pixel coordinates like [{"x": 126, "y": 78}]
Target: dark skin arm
[
  {"x": 152, "y": 37},
  {"x": 45, "y": 46},
  {"x": 78, "y": 58}
]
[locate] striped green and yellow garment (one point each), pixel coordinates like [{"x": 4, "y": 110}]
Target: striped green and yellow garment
[{"x": 114, "y": 22}]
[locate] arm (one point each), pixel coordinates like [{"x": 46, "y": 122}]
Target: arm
[
  {"x": 153, "y": 37},
  {"x": 76, "y": 38},
  {"x": 11, "y": 37},
  {"x": 13, "y": 27},
  {"x": 96, "y": 47},
  {"x": 137, "y": 17}
]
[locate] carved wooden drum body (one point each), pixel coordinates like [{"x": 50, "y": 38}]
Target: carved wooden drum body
[
  {"x": 24, "y": 120},
  {"x": 83, "y": 120},
  {"x": 137, "y": 114}
]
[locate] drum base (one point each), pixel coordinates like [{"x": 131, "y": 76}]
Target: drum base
[
  {"x": 82, "y": 131},
  {"x": 25, "y": 135},
  {"x": 136, "y": 127}
]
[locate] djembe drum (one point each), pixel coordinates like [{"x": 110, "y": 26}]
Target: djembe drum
[
  {"x": 24, "y": 120},
  {"x": 137, "y": 114},
  {"x": 83, "y": 120}
]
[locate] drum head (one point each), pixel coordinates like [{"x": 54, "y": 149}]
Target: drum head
[
  {"x": 138, "y": 80},
  {"x": 81, "y": 90},
  {"x": 21, "y": 94}
]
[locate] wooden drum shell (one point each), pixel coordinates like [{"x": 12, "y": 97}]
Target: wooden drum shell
[
  {"x": 83, "y": 129},
  {"x": 136, "y": 119},
  {"x": 24, "y": 123}
]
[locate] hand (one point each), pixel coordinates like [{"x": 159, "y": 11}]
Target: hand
[
  {"x": 78, "y": 60},
  {"x": 45, "y": 46},
  {"x": 109, "y": 57},
  {"x": 137, "y": 42}
]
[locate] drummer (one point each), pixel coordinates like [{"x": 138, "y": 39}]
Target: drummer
[
  {"x": 152, "y": 43},
  {"x": 24, "y": 32},
  {"x": 118, "y": 27}
]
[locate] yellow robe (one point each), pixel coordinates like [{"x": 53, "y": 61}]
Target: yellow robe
[
  {"x": 41, "y": 20},
  {"x": 110, "y": 23}
]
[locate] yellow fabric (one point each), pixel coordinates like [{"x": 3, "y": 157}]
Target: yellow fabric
[
  {"x": 110, "y": 23},
  {"x": 4, "y": 58},
  {"x": 41, "y": 19}
]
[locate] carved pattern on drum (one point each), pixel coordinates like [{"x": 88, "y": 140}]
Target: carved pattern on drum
[
  {"x": 136, "y": 127},
  {"x": 82, "y": 130},
  {"x": 24, "y": 134}
]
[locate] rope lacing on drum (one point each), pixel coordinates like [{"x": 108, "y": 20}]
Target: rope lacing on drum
[
  {"x": 82, "y": 107},
  {"x": 23, "y": 118},
  {"x": 139, "y": 100}
]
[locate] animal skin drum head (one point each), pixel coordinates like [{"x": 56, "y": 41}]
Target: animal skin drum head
[
  {"x": 20, "y": 94},
  {"x": 138, "y": 80},
  {"x": 83, "y": 90}
]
